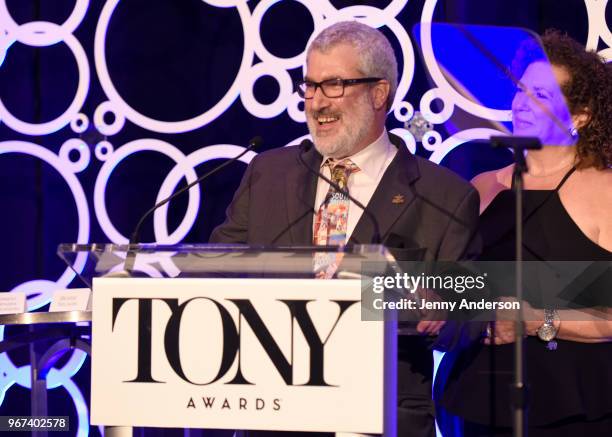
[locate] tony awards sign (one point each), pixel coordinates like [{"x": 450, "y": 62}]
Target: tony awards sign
[{"x": 277, "y": 354}]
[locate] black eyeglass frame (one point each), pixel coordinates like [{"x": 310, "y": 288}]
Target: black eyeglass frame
[{"x": 337, "y": 81}]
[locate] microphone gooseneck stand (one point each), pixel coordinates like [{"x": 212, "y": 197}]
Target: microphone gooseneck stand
[
  {"x": 130, "y": 258},
  {"x": 518, "y": 392}
]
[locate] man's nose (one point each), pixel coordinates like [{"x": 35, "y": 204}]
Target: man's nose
[{"x": 319, "y": 100}]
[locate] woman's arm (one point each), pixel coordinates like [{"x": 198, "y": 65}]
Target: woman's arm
[{"x": 587, "y": 326}]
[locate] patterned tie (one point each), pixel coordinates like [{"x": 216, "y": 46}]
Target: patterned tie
[{"x": 332, "y": 218}]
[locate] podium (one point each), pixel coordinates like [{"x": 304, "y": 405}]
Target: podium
[{"x": 237, "y": 337}]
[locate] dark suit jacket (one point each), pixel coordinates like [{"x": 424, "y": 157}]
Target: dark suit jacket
[{"x": 274, "y": 205}]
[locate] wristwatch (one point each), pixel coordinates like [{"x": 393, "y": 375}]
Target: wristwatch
[{"x": 548, "y": 331}]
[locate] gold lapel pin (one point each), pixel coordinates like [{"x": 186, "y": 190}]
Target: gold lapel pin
[{"x": 398, "y": 199}]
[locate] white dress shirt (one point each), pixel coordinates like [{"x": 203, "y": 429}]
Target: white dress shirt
[{"x": 372, "y": 162}]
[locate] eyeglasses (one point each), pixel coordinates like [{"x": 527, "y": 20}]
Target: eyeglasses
[{"x": 331, "y": 88}]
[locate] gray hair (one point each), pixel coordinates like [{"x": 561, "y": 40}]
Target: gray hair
[{"x": 377, "y": 58}]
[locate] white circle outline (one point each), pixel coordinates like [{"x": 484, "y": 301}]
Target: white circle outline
[
  {"x": 425, "y": 107},
  {"x": 160, "y": 217},
  {"x": 397, "y": 111},
  {"x": 598, "y": 28},
  {"x": 78, "y": 194},
  {"x": 225, "y": 3},
  {"x": 84, "y": 123},
  {"x": 67, "y": 27},
  {"x": 103, "y": 156},
  {"x": 437, "y": 140},
  {"x": 83, "y": 150},
  {"x": 395, "y": 7},
  {"x": 143, "y": 144},
  {"x": 450, "y": 94},
  {"x": 317, "y": 13},
  {"x": 275, "y": 108},
  {"x": 103, "y": 127},
  {"x": 297, "y": 115},
  {"x": 74, "y": 108},
  {"x": 169, "y": 126}
]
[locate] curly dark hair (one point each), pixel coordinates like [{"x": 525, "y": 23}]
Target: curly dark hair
[{"x": 589, "y": 89}]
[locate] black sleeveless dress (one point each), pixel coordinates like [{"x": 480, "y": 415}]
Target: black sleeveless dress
[{"x": 570, "y": 387}]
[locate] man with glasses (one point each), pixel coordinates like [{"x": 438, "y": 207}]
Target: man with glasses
[{"x": 421, "y": 210}]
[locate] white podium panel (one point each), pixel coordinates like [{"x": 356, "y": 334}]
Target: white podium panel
[{"x": 276, "y": 354}]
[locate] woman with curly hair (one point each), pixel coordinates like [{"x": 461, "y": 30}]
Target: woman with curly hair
[{"x": 568, "y": 216}]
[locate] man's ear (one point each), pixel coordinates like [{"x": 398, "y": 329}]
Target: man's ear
[
  {"x": 380, "y": 94},
  {"x": 582, "y": 118}
]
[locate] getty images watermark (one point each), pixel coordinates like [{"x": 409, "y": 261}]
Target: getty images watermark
[
  {"x": 424, "y": 290},
  {"x": 412, "y": 291}
]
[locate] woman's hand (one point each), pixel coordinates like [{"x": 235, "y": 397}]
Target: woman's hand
[
  {"x": 500, "y": 332},
  {"x": 503, "y": 330}
]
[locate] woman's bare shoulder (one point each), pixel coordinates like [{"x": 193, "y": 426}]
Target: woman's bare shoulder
[
  {"x": 596, "y": 184},
  {"x": 490, "y": 183},
  {"x": 493, "y": 179},
  {"x": 593, "y": 194}
]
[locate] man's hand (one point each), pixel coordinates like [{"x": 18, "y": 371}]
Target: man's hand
[
  {"x": 433, "y": 320},
  {"x": 430, "y": 327}
]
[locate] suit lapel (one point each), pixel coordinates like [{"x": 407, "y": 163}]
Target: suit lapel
[
  {"x": 392, "y": 196},
  {"x": 300, "y": 193}
]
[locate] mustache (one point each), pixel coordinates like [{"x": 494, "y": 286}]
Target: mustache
[{"x": 324, "y": 113}]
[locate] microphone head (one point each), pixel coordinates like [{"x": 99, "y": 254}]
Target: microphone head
[
  {"x": 306, "y": 145},
  {"x": 515, "y": 142},
  {"x": 255, "y": 142}
]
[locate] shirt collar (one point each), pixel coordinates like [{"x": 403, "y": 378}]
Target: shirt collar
[{"x": 371, "y": 159}]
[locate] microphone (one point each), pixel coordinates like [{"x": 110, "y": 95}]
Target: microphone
[
  {"x": 134, "y": 239},
  {"x": 305, "y": 146},
  {"x": 516, "y": 142}
]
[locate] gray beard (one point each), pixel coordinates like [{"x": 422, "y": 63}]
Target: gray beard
[{"x": 355, "y": 132}]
